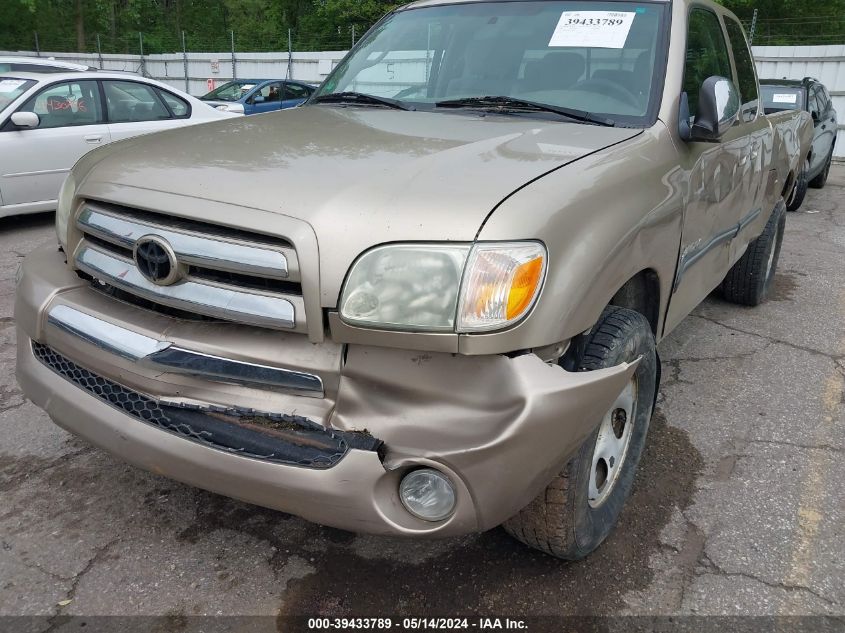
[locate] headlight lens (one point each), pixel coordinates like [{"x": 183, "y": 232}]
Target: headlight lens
[
  {"x": 417, "y": 287},
  {"x": 501, "y": 284},
  {"x": 64, "y": 208},
  {"x": 405, "y": 287}
]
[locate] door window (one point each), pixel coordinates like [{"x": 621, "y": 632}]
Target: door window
[
  {"x": 179, "y": 107},
  {"x": 745, "y": 74},
  {"x": 66, "y": 104},
  {"x": 272, "y": 93},
  {"x": 130, "y": 101},
  {"x": 822, "y": 98},
  {"x": 814, "y": 105},
  {"x": 707, "y": 54},
  {"x": 295, "y": 91},
  {"x": 11, "y": 89},
  {"x": 826, "y": 96}
]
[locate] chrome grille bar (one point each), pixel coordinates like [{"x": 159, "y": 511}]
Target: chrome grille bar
[
  {"x": 218, "y": 253},
  {"x": 215, "y": 300},
  {"x": 167, "y": 357}
]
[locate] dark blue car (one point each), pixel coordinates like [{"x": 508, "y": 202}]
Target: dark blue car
[{"x": 253, "y": 96}]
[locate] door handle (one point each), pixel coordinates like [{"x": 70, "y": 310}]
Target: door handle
[{"x": 93, "y": 139}]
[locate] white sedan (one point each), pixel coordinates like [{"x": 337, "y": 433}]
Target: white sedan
[
  {"x": 48, "y": 122},
  {"x": 39, "y": 65}
]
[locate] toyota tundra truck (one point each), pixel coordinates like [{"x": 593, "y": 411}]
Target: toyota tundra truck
[{"x": 427, "y": 302}]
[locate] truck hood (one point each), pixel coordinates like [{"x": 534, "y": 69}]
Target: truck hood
[{"x": 358, "y": 176}]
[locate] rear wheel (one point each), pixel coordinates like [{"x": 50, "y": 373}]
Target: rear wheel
[
  {"x": 582, "y": 504},
  {"x": 799, "y": 192},
  {"x": 750, "y": 280},
  {"x": 821, "y": 180}
]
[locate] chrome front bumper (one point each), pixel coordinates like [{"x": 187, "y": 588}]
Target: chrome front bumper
[
  {"x": 164, "y": 356},
  {"x": 498, "y": 427}
]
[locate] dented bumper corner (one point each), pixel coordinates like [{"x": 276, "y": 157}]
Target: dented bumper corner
[{"x": 499, "y": 427}]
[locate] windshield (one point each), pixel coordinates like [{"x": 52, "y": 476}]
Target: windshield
[
  {"x": 11, "y": 89},
  {"x": 232, "y": 91},
  {"x": 597, "y": 57},
  {"x": 778, "y": 98}
]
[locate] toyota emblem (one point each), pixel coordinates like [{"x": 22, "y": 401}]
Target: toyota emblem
[{"x": 156, "y": 260}]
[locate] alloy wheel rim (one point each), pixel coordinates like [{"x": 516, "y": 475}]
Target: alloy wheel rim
[{"x": 612, "y": 445}]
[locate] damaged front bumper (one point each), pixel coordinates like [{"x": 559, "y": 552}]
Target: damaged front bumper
[{"x": 313, "y": 430}]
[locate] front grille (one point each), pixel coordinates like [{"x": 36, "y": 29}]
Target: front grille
[
  {"x": 278, "y": 438},
  {"x": 224, "y": 274}
]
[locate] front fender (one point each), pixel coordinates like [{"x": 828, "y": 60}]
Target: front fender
[{"x": 604, "y": 219}]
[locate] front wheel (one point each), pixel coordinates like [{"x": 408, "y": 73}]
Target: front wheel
[{"x": 582, "y": 504}]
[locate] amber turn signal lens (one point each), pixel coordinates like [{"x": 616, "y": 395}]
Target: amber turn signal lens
[
  {"x": 501, "y": 282},
  {"x": 526, "y": 279}
]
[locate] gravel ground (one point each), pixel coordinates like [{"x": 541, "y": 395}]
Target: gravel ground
[{"x": 737, "y": 508}]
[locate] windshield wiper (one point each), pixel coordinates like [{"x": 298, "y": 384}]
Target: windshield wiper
[
  {"x": 512, "y": 104},
  {"x": 360, "y": 98}
]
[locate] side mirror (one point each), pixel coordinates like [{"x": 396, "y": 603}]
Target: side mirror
[
  {"x": 718, "y": 110},
  {"x": 258, "y": 99},
  {"x": 27, "y": 120}
]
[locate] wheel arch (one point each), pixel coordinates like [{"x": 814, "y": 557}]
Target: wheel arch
[{"x": 641, "y": 293}]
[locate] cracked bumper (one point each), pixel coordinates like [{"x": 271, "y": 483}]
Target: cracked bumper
[{"x": 499, "y": 427}]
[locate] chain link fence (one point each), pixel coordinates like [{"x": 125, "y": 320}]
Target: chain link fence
[{"x": 141, "y": 43}]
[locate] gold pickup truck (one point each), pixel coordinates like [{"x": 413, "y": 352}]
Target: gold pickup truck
[{"x": 427, "y": 302}]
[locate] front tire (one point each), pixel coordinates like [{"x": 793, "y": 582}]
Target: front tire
[
  {"x": 750, "y": 280},
  {"x": 580, "y": 507}
]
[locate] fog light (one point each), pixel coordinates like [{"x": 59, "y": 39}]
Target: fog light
[{"x": 427, "y": 494}]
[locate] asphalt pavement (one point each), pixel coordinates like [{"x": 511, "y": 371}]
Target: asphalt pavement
[{"x": 738, "y": 507}]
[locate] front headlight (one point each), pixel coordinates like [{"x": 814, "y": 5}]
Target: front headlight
[
  {"x": 405, "y": 287},
  {"x": 444, "y": 287},
  {"x": 64, "y": 208}
]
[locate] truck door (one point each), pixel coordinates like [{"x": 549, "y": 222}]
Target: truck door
[
  {"x": 753, "y": 140},
  {"x": 716, "y": 194},
  {"x": 824, "y": 120}
]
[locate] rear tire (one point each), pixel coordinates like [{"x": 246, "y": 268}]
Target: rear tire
[
  {"x": 821, "y": 180},
  {"x": 574, "y": 514},
  {"x": 799, "y": 192},
  {"x": 750, "y": 280}
]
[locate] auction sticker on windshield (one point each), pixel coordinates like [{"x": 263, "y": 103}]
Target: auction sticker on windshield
[
  {"x": 10, "y": 85},
  {"x": 593, "y": 29},
  {"x": 785, "y": 98}
]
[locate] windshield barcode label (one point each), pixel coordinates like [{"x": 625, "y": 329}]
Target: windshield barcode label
[{"x": 593, "y": 29}]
